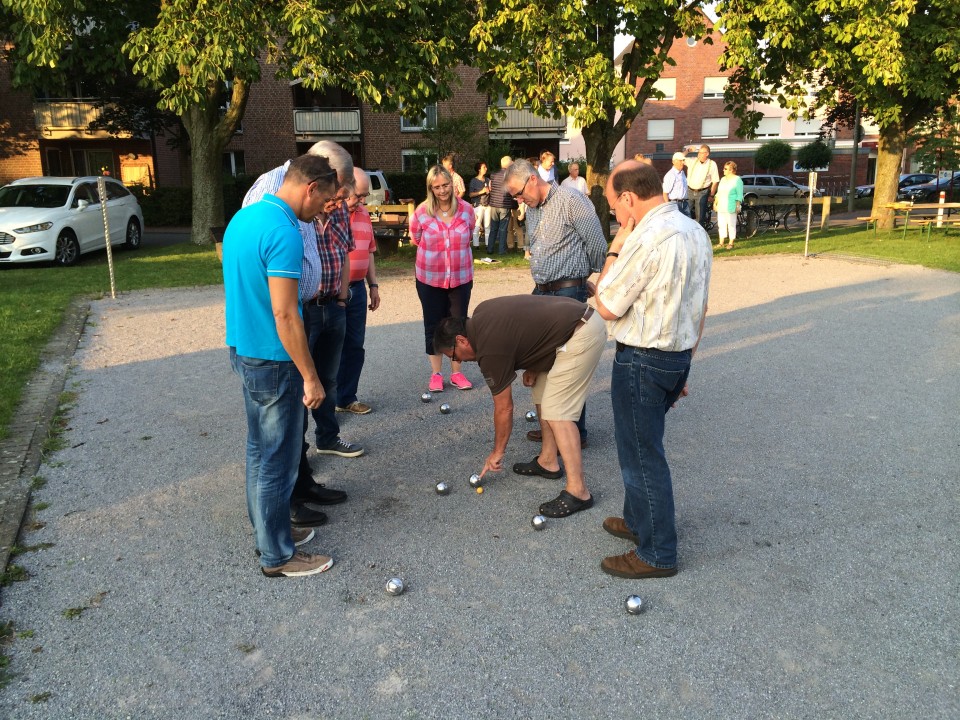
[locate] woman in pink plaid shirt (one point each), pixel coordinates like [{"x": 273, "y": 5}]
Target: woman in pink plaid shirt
[{"x": 441, "y": 229}]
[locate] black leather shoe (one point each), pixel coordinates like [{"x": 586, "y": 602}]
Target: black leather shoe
[
  {"x": 320, "y": 494},
  {"x": 303, "y": 517}
]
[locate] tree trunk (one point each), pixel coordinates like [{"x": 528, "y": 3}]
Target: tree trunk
[
  {"x": 600, "y": 139},
  {"x": 206, "y": 171},
  {"x": 889, "y": 159}
]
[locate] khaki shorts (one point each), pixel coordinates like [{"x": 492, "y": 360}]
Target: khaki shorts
[{"x": 562, "y": 391}]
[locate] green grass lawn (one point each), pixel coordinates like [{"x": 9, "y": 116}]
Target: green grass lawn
[
  {"x": 33, "y": 298},
  {"x": 942, "y": 250}
]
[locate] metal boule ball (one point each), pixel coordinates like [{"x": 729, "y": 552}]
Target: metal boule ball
[
  {"x": 634, "y": 604},
  {"x": 426, "y": 397},
  {"x": 475, "y": 480},
  {"x": 532, "y": 416},
  {"x": 443, "y": 488},
  {"x": 445, "y": 408},
  {"x": 539, "y": 522},
  {"x": 395, "y": 586}
]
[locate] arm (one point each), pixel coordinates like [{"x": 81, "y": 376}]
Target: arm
[
  {"x": 615, "y": 247},
  {"x": 344, "y": 295},
  {"x": 372, "y": 284},
  {"x": 284, "y": 302},
  {"x": 503, "y": 426},
  {"x": 587, "y": 225}
]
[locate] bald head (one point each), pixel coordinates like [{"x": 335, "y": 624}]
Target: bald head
[
  {"x": 633, "y": 189},
  {"x": 506, "y": 161}
]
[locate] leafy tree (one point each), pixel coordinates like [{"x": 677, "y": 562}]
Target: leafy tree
[
  {"x": 773, "y": 154},
  {"x": 938, "y": 140},
  {"x": 464, "y": 134},
  {"x": 899, "y": 62},
  {"x": 193, "y": 54},
  {"x": 557, "y": 58},
  {"x": 814, "y": 155}
]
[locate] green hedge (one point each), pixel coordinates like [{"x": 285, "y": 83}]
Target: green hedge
[
  {"x": 173, "y": 206},
  {"x": 407, "y": 185}
]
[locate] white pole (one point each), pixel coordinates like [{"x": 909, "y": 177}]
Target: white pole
[
  {"x": 943, "y": 197},
  {"x": 812, "y": 180},
  {"x": 102, "y": 191}
]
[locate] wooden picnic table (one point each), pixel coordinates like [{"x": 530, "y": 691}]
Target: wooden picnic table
[{"x": 906, "y": 208}]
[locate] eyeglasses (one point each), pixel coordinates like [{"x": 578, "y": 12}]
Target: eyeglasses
[
  {"x": 618, "y": 198},
  {"x": 325, "y": 176},
  {"x": 517, "y": 195},
  {"x": 362, "y": 196}
]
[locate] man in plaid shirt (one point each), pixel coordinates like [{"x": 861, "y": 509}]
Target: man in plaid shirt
[{"x": 565, "y": 240}]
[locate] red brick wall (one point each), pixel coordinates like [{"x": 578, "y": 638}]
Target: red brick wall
[
  {"x": 268, "y": 139},
  {"x": 19, "y": 146}
]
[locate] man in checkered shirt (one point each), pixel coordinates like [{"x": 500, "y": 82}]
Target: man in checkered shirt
[{"x": 565, "y": 240}]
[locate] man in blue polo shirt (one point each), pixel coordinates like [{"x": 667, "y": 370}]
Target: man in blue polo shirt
[{"x": 262, "y": 262}]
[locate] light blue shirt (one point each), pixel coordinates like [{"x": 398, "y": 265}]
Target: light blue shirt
[{"x": 261, "y": 241}]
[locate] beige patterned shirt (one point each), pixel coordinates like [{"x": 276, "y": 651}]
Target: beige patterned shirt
[{"x": 659, "y": 285}]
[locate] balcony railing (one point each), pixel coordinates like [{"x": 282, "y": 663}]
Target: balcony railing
[
  {"x": 326, "y": 121},
  {"x": 518, "y": 121},
  {"x": 65, "y": 114}
]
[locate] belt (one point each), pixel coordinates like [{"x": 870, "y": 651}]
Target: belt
[
  {"x": 558, "y": 284},
  {"x": 700, "y": 189},
  {"x": 322, "y": 299},
  {"x": 587, "y": 314}
]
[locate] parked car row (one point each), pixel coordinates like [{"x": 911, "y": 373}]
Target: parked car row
[
  {"x": 772, "y": 186},
  {"x": 930, "y": 192},
  {"x": 57, "y": 219},
  {"x": 906, "y": 180}
]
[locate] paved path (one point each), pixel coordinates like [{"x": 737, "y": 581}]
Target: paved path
[{"x": 815, "y": 467}]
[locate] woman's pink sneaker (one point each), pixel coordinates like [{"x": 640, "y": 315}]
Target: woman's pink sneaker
[
  {"x": 436, "y": 383},
  {"x": 459, "y": 380}
]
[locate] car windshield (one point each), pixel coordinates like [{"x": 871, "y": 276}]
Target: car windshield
[{"x": 36, "y": 196}]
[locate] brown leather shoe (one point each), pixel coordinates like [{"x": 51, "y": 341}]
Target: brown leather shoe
[
  {"x": 616, "y": 526},
  {"x": 630, "y": 566}
]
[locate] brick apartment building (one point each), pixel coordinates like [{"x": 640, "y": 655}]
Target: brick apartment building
[
  {"x": 692, "y": 113},
  {"x": 49, "y": 136}
]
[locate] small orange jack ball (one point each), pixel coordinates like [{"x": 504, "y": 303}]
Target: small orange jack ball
[{"x": 479, "y": 491}]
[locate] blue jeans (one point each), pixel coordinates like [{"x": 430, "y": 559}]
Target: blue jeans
[
  {"x": 273, "y": 399},
  {"x": 325, "y": 326},
  {"x": 499, "y": 222},
  {"x": 644, "y": 384},
  {"x": 577, "y": 293},
  {"x": 352, "y": 355}
]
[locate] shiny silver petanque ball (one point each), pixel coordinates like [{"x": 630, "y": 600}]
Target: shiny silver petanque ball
[
  {"x": 443, "y": 488},
  {"x": 475, "y": 481},
  {"x": 445, "y": 409},
  {"x": 426, "y": 397},
  {"x": 634, "y": 604},
  {"x": 539, "y": 522},
  {"x": 395, "y": 586},
  {"x": 532, "y": 416}
]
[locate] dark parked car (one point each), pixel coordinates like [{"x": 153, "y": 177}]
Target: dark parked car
[
  {"x": 906, "y": 180},
  {"x": 930, "y": 192}
]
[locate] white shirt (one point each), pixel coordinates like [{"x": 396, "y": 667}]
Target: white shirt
[
  {"x": 701, "y": 175},
  {"x": 658, "y": 287},
  {"x": 578, "y": 184}
]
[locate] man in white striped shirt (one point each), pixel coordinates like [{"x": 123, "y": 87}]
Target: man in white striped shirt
[{"x": 653, "y": 291}]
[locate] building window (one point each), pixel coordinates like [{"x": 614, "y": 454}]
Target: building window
[
  {"x": 425, "y": 121},
  {"x": 417, "y": 160},
  {"x": 668, "y": 86},
  {"x": 715, "y": 128},
  {"x": 713, "y": 87},
  {"x": 233, "y": 163},
  {"x": 660, "y": 129},
  {"x": 769, "y": 127},
  {"x": 806, "y": 128}
]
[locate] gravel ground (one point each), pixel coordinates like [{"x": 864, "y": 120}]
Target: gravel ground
[{"x": 815, "y": 466}]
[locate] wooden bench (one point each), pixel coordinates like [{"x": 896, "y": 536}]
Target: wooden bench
[
  {"x": 391, "y": 222},
  {"x": 872, "y": 220}
]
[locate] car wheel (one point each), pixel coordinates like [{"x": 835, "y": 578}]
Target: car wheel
[
  {"x": 68, "y": 249},
  {"x": 133, "y": 235}
]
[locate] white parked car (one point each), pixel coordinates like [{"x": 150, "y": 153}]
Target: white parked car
[
  {"x": 56, "y": 219},
  {"x": 379, "y": 190}
]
